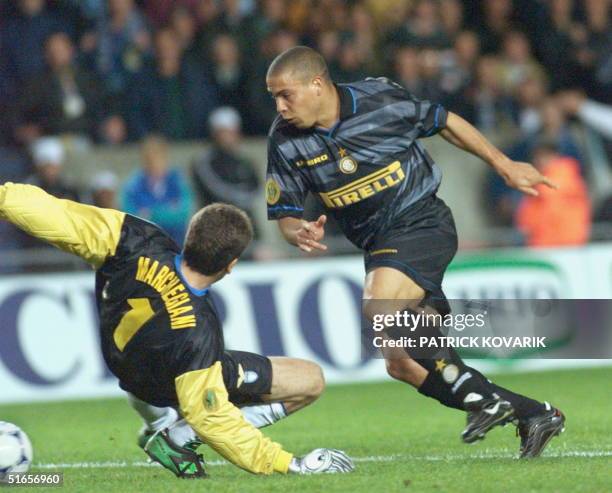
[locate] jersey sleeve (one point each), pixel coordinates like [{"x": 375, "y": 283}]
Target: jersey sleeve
[
  {"x": 90, "y": 232},
  {"x": 285, "y": 187},
  {"x": 427, "y": 117},
  {"x": 204, "y": 403}
]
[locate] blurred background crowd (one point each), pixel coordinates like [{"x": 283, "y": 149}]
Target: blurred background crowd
[{"x": 155, "y": 73}]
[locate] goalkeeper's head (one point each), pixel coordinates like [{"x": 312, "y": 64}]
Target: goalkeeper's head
[{"x": 216, "y": 237}]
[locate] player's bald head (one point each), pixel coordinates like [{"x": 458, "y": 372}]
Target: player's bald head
[{"x": 300, "y": 63}]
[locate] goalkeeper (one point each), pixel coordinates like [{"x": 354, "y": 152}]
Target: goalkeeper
[{"x": 161, "y": 335}]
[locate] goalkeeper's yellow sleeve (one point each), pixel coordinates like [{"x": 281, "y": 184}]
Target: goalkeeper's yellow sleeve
[
  {"x": 204, "y": 404},
  {"x": 90, "y": 232}
]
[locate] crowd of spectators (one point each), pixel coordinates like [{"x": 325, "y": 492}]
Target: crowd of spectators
[{"x": 117, "y": 71}]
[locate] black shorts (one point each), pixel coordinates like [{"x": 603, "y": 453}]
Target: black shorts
[
  {"x": 420, "y": 244},
  {"x": 247, "y": 376}
]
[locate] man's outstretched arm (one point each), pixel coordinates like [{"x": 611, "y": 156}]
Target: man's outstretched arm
[
  {"x": 204, "y": 403},
  {"x": 522, "y": 176},
  {"x": 90, "y": 232}
]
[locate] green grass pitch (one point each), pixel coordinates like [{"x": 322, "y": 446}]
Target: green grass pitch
[{"x": 401, "y": 442}]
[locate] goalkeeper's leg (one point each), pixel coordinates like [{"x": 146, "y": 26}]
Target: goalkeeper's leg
[
  {"x": 154, "y": 418},
  {"x": 168, "y": 439},
  {"x": 266, "y": 390},
  {"x": 269, "y": 389}
]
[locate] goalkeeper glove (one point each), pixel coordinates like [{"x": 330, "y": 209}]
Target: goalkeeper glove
[{"x": 322, "y": 460}]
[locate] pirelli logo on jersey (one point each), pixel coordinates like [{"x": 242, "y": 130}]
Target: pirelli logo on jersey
[
  {"x": 364, "y": 187},
  {"x": 173, "y": 293}
]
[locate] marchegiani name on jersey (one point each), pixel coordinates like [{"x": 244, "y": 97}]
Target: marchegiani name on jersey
[{"x": 172, "y": 291}]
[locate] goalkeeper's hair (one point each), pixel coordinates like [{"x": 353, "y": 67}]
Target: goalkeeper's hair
[{"x": 217, "y": 234}]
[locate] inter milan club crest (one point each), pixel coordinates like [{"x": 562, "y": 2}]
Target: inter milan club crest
[
  {"x": 272, "y": 192},
  {"x": 347, "y": 164}
]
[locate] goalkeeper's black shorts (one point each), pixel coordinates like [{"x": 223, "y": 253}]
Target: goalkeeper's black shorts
[{"x": 247, "y": 376}]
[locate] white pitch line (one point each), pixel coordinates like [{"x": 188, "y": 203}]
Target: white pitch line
[{"x": 373, "y": 458}]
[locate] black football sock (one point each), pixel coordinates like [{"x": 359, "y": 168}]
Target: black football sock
[
  {"x": 454, "y": 384},
  {"x": 463, "y": 385},
  {"x": 436, "y": 389},
  {"x": 524, "y": 407},
  {"x": 448, "y": 370},
  {"x": 449, "y": 380}
]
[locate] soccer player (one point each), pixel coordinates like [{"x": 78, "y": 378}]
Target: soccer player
[
  {"x": 355, "y": 147},
  {"x": 161, "y": 335}
]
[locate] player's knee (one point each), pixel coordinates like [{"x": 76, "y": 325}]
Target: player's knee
[
  {"x": 385, "y": 283},
  {"x": 377, "y": 303},
  {"x": 316, "y": 383}
]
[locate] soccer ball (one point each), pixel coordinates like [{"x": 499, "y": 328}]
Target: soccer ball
[{"x": 15, "y": 450}]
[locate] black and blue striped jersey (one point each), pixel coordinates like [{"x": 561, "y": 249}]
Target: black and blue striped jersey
[{"x": 366, "y": 170}]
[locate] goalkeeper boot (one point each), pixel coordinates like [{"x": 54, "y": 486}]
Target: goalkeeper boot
[
  {"x": 144, "y": 435},
  {"x": 483, "y": 415},
  {"x": 183, "y": 461},
  {"x": 537, "y": 431},
  {"x": 148, "y": 430}
]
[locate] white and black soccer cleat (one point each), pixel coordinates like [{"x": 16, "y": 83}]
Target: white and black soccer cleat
[
  {"x": 537, "y": 431},
  {"x": 483, "y": 415}
]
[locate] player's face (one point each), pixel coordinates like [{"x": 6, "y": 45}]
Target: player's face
[{"x": 296, "y": 100}]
